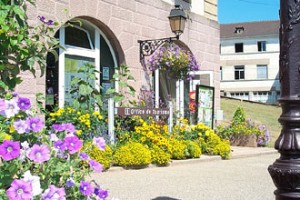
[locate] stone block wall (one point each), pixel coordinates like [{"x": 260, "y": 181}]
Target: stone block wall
[{"x": 127, "y": 21}]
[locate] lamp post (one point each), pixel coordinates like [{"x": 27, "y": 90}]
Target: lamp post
[
  {"x": 177, "y": 20},
  {"x": 285, "y": 171}
]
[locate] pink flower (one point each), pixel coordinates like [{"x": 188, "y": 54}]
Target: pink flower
[{"x": 9, "y": 150}]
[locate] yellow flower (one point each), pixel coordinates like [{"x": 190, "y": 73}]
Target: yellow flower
[
  {"x": 11, "y": 129},
  {"x": 7, "y": 137},
  {"x": 79, "y": 132}
]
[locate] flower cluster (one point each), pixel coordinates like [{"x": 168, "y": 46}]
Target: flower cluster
[
  {"x": 86, "y": 123},
  {"x": 173, "y": 60},
  {"x": 44, "y": 162}
]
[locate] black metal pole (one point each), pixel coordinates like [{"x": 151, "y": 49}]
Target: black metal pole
[{"x": 285, "y": 171}]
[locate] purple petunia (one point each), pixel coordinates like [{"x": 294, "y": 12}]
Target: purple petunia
[
  {"x": 86, "y": 188},
  {"x": 20, "y": 126},
  {"x": 9, "y": 150},
  {"x": 58, "y": 127},
  {"x": 2, "y": 105},
  {"x": 96, "y": 167},
  {"x": 54, "y": 193},
  {"x": 102, "y": 194},
  {"x": 35, "y": 124},
  {"x": 69, "y": 127},
  {"x": 39, "y": 153},
  {"x": 83, "y": 156},
  {"x": 11, "y": 108},
  {"x": 24, "y": 103},
  {"x": 70, "y": 182},
  {"x": 20, "y": 190},
  {"x": 73, "y": 144},
  {"x": 99, "y": 142},
  {"x": 60, "y": 145}
]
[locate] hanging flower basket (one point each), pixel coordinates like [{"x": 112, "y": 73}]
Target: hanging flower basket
[{"x": 173, "y": 60}]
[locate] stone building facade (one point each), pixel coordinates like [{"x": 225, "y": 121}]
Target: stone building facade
[{"x": 109, "y": 35}]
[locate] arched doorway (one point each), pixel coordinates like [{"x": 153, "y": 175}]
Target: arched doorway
[{"x": 82, "y": 43}]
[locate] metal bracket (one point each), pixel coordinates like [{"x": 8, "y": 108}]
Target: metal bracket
[{"x": 148, "y": 47}]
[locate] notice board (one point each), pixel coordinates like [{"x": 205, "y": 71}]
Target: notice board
[{"x": 205, "y": 105}]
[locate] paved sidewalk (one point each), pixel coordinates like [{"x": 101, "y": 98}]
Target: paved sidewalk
[{"x": 244, "y": 177}]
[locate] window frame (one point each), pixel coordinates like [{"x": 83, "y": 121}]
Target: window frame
[
  {"x": 261, "y": 46},
  {"x": 262, "y": 67},
  {"x": 240, "y": 69},
  {"x": 239, "y": 47}
]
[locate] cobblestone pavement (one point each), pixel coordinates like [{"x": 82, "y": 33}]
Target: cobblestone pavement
[{"x": 245, "y": 177}]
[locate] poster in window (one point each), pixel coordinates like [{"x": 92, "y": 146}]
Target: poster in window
[
  {"x": 205, "y": 105},
  {"x": 105, "y": 73}
]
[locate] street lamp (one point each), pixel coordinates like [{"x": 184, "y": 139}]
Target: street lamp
[{"x": 177, "y": 20}]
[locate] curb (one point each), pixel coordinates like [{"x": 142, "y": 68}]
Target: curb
[{"x": 236, "y": 153}]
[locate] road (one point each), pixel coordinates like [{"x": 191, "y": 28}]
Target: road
[{"x": 244, "y": 178}]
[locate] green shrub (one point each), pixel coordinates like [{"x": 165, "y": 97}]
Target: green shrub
[
  {"x": 178, "y": 149},
  {"x": 159, "y": 156},
  {"x": 223, "y": 149},
  {"x": 103, "y": 157},
  {"x": 241, "y": 127},
  {"x": 194, "y": 150},
  {"x": 132, "y": 154}
]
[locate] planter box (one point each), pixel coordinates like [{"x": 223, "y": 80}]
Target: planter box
[{"x": 244, "y": 140}]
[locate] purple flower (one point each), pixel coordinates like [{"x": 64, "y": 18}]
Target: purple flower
[
  {"x": 60, "y": 145},
  {"x": 43, "y": 19},
  {"x": 54, "y": 193},
  {"x": 83, "y": 156},
  {"x": 96, "y": 167},
  {"x": 73, "y": 144},
  {"x": 85, "y": 188},
  {"x": 102, "y": 194},
  {"x": 20, "y": 126},
  {"x": 24, "y": 103},
  {"x": 20, "y": 190},
  {"x": 99, "y": 142},
  {"x": 9, "y": 150},
  {"x": 11, "y": 108},
  {"x": 58, "y": 127},
  {"x": 2, "y": 105},
  {"x": 39, "y": 153},
  {"x": 69, "y": 127},
  {"x": 70, "y": 182},
  {"x": 53, "y": 137},
  {"x": 35, "y": 124}
]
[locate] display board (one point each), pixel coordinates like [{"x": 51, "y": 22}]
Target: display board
[{"x": 205, "y": 105}]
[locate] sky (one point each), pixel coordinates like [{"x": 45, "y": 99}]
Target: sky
[{"x": 234, "y": 11}]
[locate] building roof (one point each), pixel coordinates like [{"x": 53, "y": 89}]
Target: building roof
[{"x": 249, "y": 29}]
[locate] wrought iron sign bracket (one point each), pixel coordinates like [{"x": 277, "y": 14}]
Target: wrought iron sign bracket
[{"x": 148, "y": 47}]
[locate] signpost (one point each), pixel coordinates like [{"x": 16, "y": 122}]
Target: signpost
[{"x": 137, "y": 111}]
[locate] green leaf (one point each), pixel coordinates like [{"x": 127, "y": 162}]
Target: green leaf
[
  {"x": 13, "y": 42},
  {"x": 85, "y": 89}
]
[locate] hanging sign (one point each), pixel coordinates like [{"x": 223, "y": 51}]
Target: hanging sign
[{"x": 126, "y": 111}]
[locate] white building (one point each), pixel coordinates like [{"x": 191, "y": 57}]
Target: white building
[{"x": 250, "y": 61}]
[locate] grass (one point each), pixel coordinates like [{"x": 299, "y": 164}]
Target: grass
[{"x": 258, "y": 113}]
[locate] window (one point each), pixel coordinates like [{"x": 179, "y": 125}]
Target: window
[
  {"x": 82, "y": 45},
  {"x": 262, "y": 71},
  {"x": 261, "y": 45},
  {"x": 239, "y": 47},
  {"x": 239, "y": 72},
  {"x": 239, "y": 30}
]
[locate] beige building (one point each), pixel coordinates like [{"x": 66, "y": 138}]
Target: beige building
[
  {"x": 250, "y": 61},
  {"x": 108, "y": 37}
]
